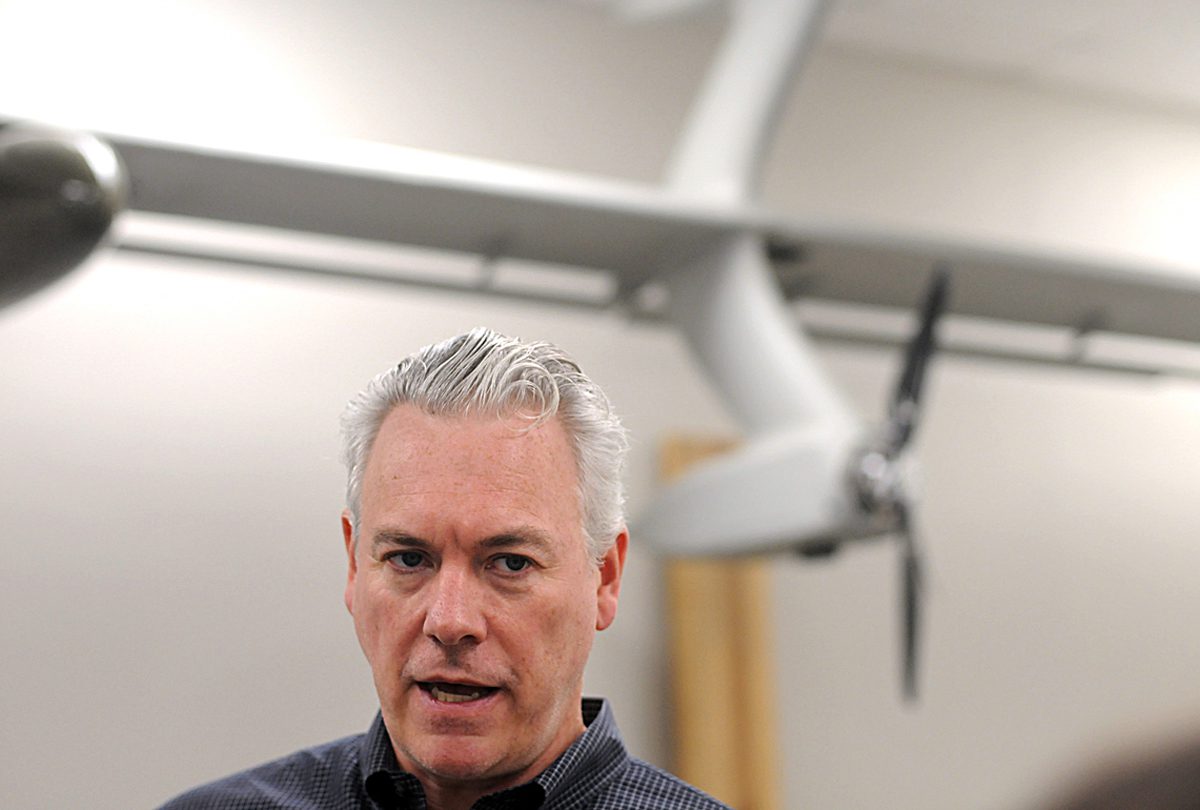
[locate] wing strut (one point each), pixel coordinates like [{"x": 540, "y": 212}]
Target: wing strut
[{"x": 801, "y": 480}]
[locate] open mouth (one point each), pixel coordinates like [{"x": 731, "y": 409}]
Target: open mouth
[{"x": 444, "y": 692}]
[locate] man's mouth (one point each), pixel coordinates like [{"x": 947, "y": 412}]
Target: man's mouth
[{"x": 444, "y": 692}]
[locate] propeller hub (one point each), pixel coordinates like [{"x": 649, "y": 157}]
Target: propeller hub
[
  {"x": 59, "y": 193},
  {"x": 878, "y": 484}
]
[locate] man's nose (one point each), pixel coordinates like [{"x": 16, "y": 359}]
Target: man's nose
[{"x": 455, "y": 611}]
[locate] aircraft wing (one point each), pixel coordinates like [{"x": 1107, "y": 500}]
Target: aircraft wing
[{"x": 634, "y": 231}]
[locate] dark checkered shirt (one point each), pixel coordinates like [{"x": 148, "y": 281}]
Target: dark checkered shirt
[{"x": 595, "y": 773}]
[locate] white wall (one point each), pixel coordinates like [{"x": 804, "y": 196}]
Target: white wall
[{"x": 171, "y": 569}]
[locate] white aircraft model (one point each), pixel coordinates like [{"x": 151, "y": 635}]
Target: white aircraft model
[{"x": 809, "y": 475}]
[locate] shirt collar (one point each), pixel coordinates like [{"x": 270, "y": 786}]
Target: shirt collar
[
  {"x": 580, "y": 771},
  {"x": 383, "y": 778},
  {"x": 590, "y": 761}
]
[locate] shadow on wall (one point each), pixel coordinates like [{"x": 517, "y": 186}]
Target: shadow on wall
[{"x": 1167, "y": 778}]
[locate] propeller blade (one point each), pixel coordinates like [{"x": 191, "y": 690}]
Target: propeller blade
[
  {"x": 59, "y": 192},
  {"x": 903, "y": 410},
  {"x": 910, "y": 589}
]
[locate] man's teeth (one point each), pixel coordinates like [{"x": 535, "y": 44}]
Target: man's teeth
[{"x": 452, "y": 697}]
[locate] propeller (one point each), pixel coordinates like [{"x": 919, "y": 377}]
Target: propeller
[
  {"x": 59, "y": 193},
  {"x": 878, "y": 479}
]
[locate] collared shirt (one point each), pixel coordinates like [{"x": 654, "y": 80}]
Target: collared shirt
[{"x": 594, "y": 773}]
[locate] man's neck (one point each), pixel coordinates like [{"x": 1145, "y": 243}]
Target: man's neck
[
  {"x": 456, "y": 794},
  {"x": 450, "y": 799}
]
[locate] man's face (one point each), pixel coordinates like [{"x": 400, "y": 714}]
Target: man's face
[{"x": 474, "y": 596}]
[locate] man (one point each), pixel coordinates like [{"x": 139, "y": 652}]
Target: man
[{"x": 485, "y": 538}]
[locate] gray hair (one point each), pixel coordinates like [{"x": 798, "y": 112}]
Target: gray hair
[{"x": 484, "y": 373}]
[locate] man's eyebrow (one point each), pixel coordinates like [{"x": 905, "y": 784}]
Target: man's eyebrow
[
  {"x": 523, "y": 536},
  {"x": 392, "y": 537}
]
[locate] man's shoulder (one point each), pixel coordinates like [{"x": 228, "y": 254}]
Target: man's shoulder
[
  {"x": 642, "y": 786},
  {"x": 318, "y": 777}
]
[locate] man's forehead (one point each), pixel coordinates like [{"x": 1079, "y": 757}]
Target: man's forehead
[
  {"x": 471, "y": 477},
  {"x": 416, "y": 452}
]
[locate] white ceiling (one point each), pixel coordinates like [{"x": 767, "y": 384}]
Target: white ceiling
[{"x": 1140, "y": 49}]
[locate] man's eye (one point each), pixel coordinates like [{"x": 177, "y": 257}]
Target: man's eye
[
  {"x": 512, "y": 563},
  {"x": 407, "y": 559}
]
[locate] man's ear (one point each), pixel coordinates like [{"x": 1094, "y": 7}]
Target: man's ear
[
  {"x": 611, "y": 566},
  {"x": 352, "y": 563}
]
